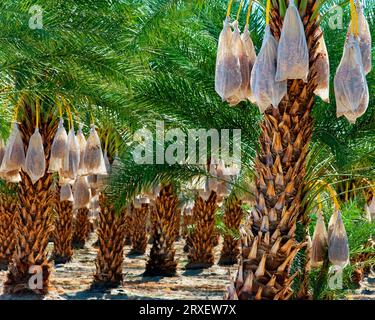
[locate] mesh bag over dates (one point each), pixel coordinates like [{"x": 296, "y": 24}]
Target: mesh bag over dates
[
  {"x": 251, "y": 56},
  {"x": 265, "y": 89},
  {"x": 35, "y": 163},
  {"x": 338, "y": 247},
  {"x": 94, "y": 161},
  {"x": 364, "y": 35},
  {"x": 319, "y": 244},
  {"x": 228, "y": 72},
  {"x": 14, "y": 155},
  {"x": 322, "y": 68},
  {"x": 58, "y": 148},
  {"x": 293, "y": 54},
  {"x": 351, "y": 90}
]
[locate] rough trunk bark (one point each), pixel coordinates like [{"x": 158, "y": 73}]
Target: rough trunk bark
[
  {"x": 81, "y": 228},
  {"x": 63, "y": 233},
  {"x": 128, "y": 228},
  {"x": 232, "y": 219},
  {"x": 29, "y": 270},
  {"x": 8, "y": 207},
  {"x": 177, "y": 223},
  {"x": 270, "y": 246},
  {"x": 111, "y": 234},
  {"x": 139, "y": 235},
  {"x": 161, "y": 261},
  {"x": 200, "y": 243}
]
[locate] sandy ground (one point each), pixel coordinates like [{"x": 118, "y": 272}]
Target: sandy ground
[
  {"x": 367, "y": 289},
  {"x": 73, "y": 280}
]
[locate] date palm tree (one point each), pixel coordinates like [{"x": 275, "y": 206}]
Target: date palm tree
[
  {"x": 33, "y": 221},
  {"x": 201, "y": 245},
  {"x": 63, "y": 233},
  {"x": 58, "y": 54},
  {"x": 161, "y": 261},
  {"x": 111, "y": 235},
  {"x": 232, "y": 219},
  {"x": 273, "y": 240},
  {"x": 81, "y": 229},
  {"x": 139, "y": 236}
]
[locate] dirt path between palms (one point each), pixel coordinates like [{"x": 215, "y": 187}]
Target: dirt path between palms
[{"x": 73, "y": 280}]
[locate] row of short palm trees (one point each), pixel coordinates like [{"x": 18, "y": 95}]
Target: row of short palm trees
[{"x": 24, "y": 238}]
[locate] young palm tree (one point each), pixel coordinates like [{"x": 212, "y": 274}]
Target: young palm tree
[
  {"x": 201, "y": 245},
  {"x": 128, "y": 227},
  {"x": 81, "y": 228},
  {"x": 63, "y": 233},
  {"x": 161, "y": 261},
  {"x": 177, "y": 224},
  {"x": 111, "y": 235},
  {"x": 139, "y": 229},
  {"x": 232, "y": 219}
]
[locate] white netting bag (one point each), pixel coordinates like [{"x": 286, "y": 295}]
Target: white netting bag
[
  {"x": 364, "y": 35},
  {"x": 322, "y": 68},
  {"x": 370, "y": 210},
  {"x": 81, "y": 193},
  {"x": 14, "y": 155},
  {"x": 212, "y": 181},
  {"x": 58, "y": 148},
  {"x": 228, "y": 73},
  {"x": 94, "y": 203},
  {"x": 12, "y": 176},
  {"x": 94, "y": 160},
  {"x": 243, "y": 91},
  {"x": 351, "y": 90},
  {"x": 82, "y": 147},
  {"x": 66, "y": 193},
  {"x": 265, "y": 89},
  {"x": 102, "y": 179},
  {"x": 293, "y": 54},
  {"x": 338, "y": 245},
  {"x": 319, "y": 243},
  {"x": 71, "y": 157},
  {"x": 35, "y": 163},
  {"x": 2, "y": 150},
  {"x": 251, "y": 57}
]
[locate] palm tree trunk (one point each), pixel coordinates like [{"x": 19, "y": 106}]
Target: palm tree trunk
[
  {"x": 128, "y": 228},
  {"x": 177, "y": 223},
  {"x": 33, "y": 220},
  {"x": 200, "y": 243},
  {"x": 81, "y": 228},
  {"x": 111, "y": 234},
  {"x": 8, "y": 206},
  {"x": 215, "y": 238},
  {"x": 161, "y": 261},
  {"x": 232, "y": 219},
  {"x": 63, "y": 233},
  {"x": 271, "y": 245},
  {"x": 139, "y": 234}
]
